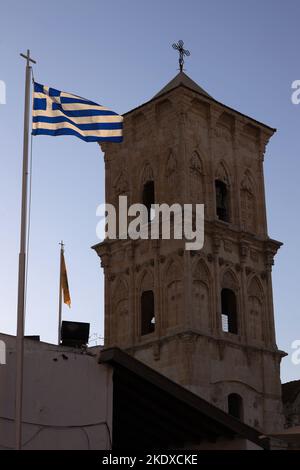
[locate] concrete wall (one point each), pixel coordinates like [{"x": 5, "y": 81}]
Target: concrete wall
[
  {"x": 292, "y": 412},
  {"x": 67, "y": 401}
]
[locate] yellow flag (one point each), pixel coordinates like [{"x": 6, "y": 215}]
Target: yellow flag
[{"x": 64, "y": 281}]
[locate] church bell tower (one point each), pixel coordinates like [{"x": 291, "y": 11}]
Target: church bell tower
[{"x": 202, "y": 318}]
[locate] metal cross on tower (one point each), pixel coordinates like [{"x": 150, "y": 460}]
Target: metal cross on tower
[{"x": 182, "y": 52}]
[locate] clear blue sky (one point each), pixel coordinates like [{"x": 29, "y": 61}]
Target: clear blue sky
[{"x": 245, "y": 54}]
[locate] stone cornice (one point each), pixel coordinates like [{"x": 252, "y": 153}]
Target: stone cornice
[{"x": 193, "y": 335}]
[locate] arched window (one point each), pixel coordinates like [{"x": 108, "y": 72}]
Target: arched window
[
  {"x": 147, "y": 312},
  {"x": 235, "y": 405},
  {"x": 222, "y": 200},
  {"x": 229, "y": 311},
  {"x": 149, "y": 197}
]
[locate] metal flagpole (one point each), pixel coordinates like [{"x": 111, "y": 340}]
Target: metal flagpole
[
  {"x": 60, "y": 293},
  {"x": 22, "y": 259}
]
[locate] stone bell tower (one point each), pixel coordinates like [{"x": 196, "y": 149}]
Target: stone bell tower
[{"x": 202, "y": 318}]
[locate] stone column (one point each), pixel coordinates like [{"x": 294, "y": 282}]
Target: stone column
[
  {"x": 237, "y": 196},
  {"x": 244, "y": 250},
  {"x": 262, "y": 198},
  {"x": 269, "y": 296},
  {"x": 217, "y": 323}
]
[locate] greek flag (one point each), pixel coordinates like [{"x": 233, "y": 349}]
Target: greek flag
[{"x": 58, "y": 113}]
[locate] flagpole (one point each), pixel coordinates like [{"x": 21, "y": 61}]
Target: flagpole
[
  {"x": 22, "y": 259},
  {"x": 60, "y": 293}
]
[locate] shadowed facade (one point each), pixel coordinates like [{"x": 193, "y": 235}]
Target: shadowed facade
[{"x": 202, "y": 318}]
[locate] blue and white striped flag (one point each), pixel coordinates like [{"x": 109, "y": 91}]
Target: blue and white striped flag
[{"x": 58, "y": 113}]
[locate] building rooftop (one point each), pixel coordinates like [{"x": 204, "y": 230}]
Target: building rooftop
[
  {"x": 153, "y": 411},
  {"x": 290, "y": 390},
  {"x": 182, "y": 79}
]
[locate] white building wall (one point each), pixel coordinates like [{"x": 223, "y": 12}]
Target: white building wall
[{"x": 67, "y": 398}]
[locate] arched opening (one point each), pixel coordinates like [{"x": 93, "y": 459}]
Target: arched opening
[
  {"x": 147, "y": 312},
  {"x": 149, "y": 198},
  {"x": 235, "y": 405},
  {"x": 222, "y": 200},
  {"x": 229, "y": 311}
]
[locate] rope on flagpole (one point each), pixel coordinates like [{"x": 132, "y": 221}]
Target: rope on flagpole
[
  {"x": 29, "y": 210},
  {"x": 29, "y": 222}
]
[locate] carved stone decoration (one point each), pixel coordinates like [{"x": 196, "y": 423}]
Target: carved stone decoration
[
  {"x": 166, "y": 122},
  {"x": 255, "y": 302},
  {"x": 248, "y": 204},
  {"x": 254, "y": 255},
  {"x": 244, "y": 250},
  {"x": 229, "y": 281},
  {"x": 171, "y": 173},
  {"x": 141, "y": 128},
  {"x": 121, "y": 185},
  {"x": 227, "y": 246},
  {"x": 248, "y": 270},
  {"x": 247, "y": 143},
  {"x": 263, "y": 275},
  {"x": 216, "y": 244},
  {"x": 255, "y": 288},
  {"x": 210, "y": 257},
  {"x": 147, "y": 174},
  {"x": 222, "y": 141},
  {"x": 120, "y": 312},
  {"x": 196, "y": 179},
  {"x": 171, "y": 166},
  {"x": 201, "y": 296},
  {"x": 105, "y": 260},
  {"x": 188, "y": 341},
  {"x": 264, "y": 139},
  {"x": 222, "y": 173},
  {"x": 147, "y": 282},
  {"x": 269, "y": 260},
  {"x": 174, "y": 295},
  {"x": 196, "y": 166}
]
